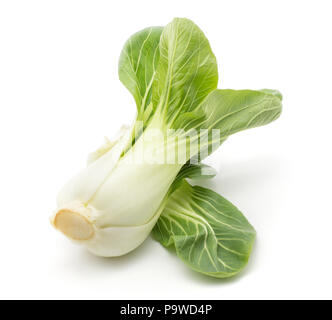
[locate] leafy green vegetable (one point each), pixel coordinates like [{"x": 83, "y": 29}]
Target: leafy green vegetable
[{"x": 137, "y": 182}]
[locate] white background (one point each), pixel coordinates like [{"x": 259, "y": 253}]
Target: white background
[{"x": 60, "y": 95}]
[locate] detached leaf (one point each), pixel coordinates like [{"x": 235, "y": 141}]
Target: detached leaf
[{"x": 208, "y": 233}]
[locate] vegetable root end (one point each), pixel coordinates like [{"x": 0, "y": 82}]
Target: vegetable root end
[{"x": 73, "y": 223}]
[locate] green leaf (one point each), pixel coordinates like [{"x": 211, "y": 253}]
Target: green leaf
[
  {"x": 225, "y": 112},
  {"x": 187, "y": 70},
  {"x": 208, "y": 233},
  {"x": 137, "y": 66},
  {"x": 236, "y": 110},
  {"x": 229, "y": 111}
]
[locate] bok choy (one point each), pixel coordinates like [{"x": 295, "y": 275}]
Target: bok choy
[{"x": 137, "y": 183}]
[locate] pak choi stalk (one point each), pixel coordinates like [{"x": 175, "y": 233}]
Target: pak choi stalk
[{"x": 114, "y": 203}]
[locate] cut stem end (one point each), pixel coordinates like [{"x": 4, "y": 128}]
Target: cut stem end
[{"x": 74, "y": 224}]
